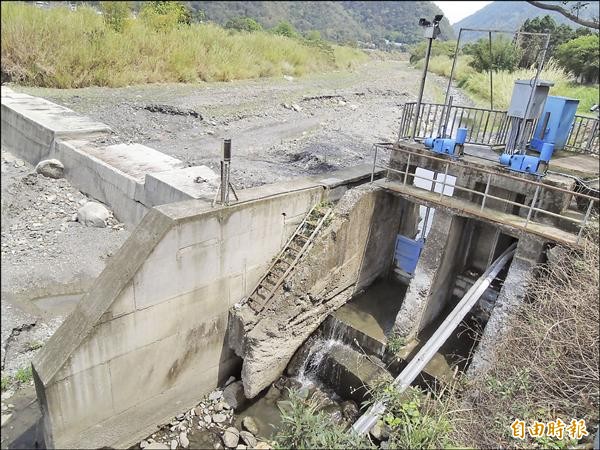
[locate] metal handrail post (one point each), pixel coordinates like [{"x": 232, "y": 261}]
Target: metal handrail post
[
  {"x": 585, "y": 220},
  {"x": 407, "y": 166},
  {"x": 374, "y": 162},
  {"x": 487, "y": 188},
  {"x": 535, "y": 196}
]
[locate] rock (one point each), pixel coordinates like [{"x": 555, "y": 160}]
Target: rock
[
  {"x": 241, "y": 447},
  {"x": 143, "y": 444},
  {"x": 334, "y": 412},
  {"x": 51, "y": 168},
  {"x": 341, "y": 102},
  {"x": 296, "y": 107},
  {"x": 353, "y": 107},
  {"x": 262, "y": 446},
  {"x": 207, "y": 418},
  {"x": 249, "y": 424},
  {"x": 93, "y": 214},
  {"x": 350, "y": 410},
  {"x": 180, "y": 417},
  {"x": 215, "y": 395},
  {"x": 183, "y": 440},
  {"x": 234, "y": 394},
  {"x": 219, "y": 418},
  {"x": 248, "y": 438},
  {"x": 379, "y": 431},
  {"x": 174, "y": 444},
  {"x": 157, "y": 446},
  {"x": 384, "y": 445},
  {"x": 19, "y": 163},
  {"x": 231, "y": 437},
  {"x": 198, "y": 411},
  {"x": 284, "y": 406},
  {"x": 219, "y": 407},
  {"x": 230, "y": 380},
  {"x": 5, "y": 418},
  {"x": 289, "y": 78},
  {"x": 273, "y": 393}
]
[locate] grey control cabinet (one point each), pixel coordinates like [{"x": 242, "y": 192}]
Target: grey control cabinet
[{"x": 520, "y": 96}]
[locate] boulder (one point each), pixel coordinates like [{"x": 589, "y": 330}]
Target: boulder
[
  {"x": 219, "y": 418},
  {"x": 248, "y": 439},
  {"x": 93, "y": 214},
  {"x": 156, "y": 446},
  {"x": 183, "y": 440},
  {"x": 51, "y": 168},
  {"x": 249, "y": 424},
  {"x": 231, "y": 437},
  {"x": 234, "y": 394}
]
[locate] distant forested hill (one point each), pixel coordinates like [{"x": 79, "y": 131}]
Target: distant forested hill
[
  {"x": 508, "y": 15},
  {"x": 369, "y": 21}
]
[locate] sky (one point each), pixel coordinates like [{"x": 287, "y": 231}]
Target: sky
[{"x": 454, "y": 11}]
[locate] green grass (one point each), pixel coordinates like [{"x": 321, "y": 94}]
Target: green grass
[
  {"x": 71, "y": 49},
  {"x": 477, "y": 84},
  {"x": 4, "y": 383},
  {"x": 24, "y": 375}
]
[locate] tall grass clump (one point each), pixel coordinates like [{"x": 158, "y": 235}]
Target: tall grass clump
[
  {"x": 70, "y": 49},
  {"x": 477, "y": 84}
]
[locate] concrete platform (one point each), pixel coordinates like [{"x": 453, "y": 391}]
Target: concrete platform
[
  {"x": 511, "y": 224},
  {"x": 182, "y": 184},
  {"x": 584, "y": 166}
]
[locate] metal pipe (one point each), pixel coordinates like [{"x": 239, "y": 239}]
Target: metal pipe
[
  {"x": 374, "y": 162},
  {"x": 585, "y": 220},
  {"x": 441, "y": 335},
  {"x": 453, "y": 67},
  {"x": 422, "y": 87},
  {"x": 491, "y": 70}
]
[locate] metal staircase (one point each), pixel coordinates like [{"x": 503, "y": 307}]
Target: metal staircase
[{"x": 285, "y": 262}]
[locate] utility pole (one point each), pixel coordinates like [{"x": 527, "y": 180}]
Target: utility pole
[{"x": 432, "y": 30}]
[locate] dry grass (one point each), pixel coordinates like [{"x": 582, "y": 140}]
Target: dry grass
[
  {"x": 69, "y": 49},
  {"x": 548, "y": 365}
]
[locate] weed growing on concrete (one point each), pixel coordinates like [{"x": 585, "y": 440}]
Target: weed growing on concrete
[
  {"x": 304, "y": 426},
  {"x": 395, "y": 343},
  {"x": 24, "y": 375}
]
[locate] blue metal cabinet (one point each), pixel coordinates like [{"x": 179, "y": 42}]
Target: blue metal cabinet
[{"x": 555, "y": 122}]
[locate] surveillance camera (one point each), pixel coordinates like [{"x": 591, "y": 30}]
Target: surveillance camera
[
  {"x": 424, "y": 22},
  {"x": 438, "y": 18}
]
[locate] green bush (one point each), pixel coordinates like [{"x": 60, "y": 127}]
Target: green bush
[
  {"x": 445, "y": 48},
  {"x": 304, "y": 427},
  {"x": 581, "y": 56},
  {"x": 285, "y": 29},
  {"x": 243, "y": 24},
  {"x": 24, "y": 375},
  {"x": 165, "y": 15},
  {"x": 115, "y": 14},
  {"x": 504, "y": 54}
]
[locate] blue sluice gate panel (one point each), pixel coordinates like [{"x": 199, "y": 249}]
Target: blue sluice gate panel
[{"x": 407, "y": 253}]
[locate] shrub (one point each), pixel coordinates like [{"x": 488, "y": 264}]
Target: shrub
[
  {"x": 504, "y": 55},
  {"x": 115, "y": 14},
  {"x": 285, "y": 29},
  {"x": 165, "y": 15},
  {"x": 445, "y": 48},
  {"x": 24, "y": 375},
  {"x": 581, "y": 56},
  {"x": 243, "y": 24},
  {"x": 304, "y": 427}
]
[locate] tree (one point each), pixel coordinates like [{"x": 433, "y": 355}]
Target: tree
[
  {"x": 504, "y": 55},
  {"x": 532, "y": 45},
  {"x": 115, "y": 14},
  {"x": 446, "y": 48},
  {"x": 165, "y": 15},
  {"x": 243, "y": 24},
  {"x": 571, "y": 15},
  {"x": 581, "y": 56},
  {"x": 285, "y": 29}
]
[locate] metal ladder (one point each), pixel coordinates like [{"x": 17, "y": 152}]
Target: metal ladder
[{"x": 285, "y": 262}]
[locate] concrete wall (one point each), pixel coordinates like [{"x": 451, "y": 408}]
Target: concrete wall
[
  {"x": 149, "y": 339},
  {"x": 347, "y": 255}
]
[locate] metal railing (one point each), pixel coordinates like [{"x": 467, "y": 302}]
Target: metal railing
[
  {"x": 489, "y": 174},
  {"x": 487, "y": 127}
]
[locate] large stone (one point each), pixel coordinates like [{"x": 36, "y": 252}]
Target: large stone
[
  {"x": 234, "y": 394},
  {"x": 248, "y": 438},
  {"x": 350, "y": 410},
  {"x": 93, "y": 214},
  {"x": 231, "y": 437},
  {"x": 250, "y": 425},
  {"x": 51, "y": 168},
  {"x": 183, "y": 440}
]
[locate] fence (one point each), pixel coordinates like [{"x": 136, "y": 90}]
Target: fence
[
  {"x": 487, "y": 127},
  {"x": 385, "y": 151}
]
